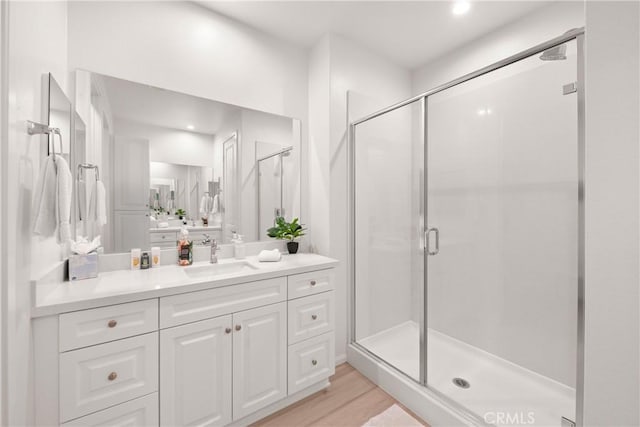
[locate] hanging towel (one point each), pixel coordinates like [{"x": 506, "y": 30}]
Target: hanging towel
[
  {"x": 82, "y": 200},
  {"x": 206, "y": 205},
  {"x": 101, "y": 205},
  {"x": 216, "y": 205},
  {"x": 98, "y": 206},
  {"x": 52, "y": 203}
]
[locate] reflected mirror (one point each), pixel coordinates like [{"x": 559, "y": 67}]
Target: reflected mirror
[
  {"x": 58, "y": 116},
  {"x": 169, "y": 160}
]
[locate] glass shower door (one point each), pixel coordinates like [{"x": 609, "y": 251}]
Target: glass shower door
[
  {"x": 502, "y": 181},
  {"x": 389, "y": 257}
]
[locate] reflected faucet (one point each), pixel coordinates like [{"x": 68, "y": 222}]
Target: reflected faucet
[{"x": 213, "y": 259}]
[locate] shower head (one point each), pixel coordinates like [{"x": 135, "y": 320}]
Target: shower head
[{"x": 556, "y": 53}]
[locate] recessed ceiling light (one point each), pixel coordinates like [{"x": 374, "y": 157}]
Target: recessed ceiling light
[
  {"x": 460, "y": 7},
  {"x": 190, "y": 127}
]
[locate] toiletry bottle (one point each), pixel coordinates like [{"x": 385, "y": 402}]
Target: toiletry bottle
[
  {"x": 155, "y": 256},
  {"x": 135, "y": 258},
  {"x": 238, "y": 247},
  {"x": 145, "y": 261},
  {"x": 185, "y": 248}
]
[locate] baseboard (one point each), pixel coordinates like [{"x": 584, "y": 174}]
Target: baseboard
[{"x": 340, "y": 359}]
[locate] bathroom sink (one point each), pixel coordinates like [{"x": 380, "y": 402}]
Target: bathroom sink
[{"x": 218, "y": 269}]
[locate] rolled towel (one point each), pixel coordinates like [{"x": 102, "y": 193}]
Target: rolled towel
[{"x": 269, "y": 256}]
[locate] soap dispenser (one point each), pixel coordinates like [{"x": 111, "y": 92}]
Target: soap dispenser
[
  {"x": 238, "y": 247},
  {"x": 185, "y": 248}
]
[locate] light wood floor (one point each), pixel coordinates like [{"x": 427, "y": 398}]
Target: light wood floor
[{"x": 350, "y": 401}]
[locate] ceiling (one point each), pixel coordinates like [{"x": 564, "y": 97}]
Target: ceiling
[{"x": 410, "y": 33}]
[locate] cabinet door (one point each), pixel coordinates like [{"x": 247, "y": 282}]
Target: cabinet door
[
  {"x": 195, "y": 373},
  {"x": 259, "y": 358}
]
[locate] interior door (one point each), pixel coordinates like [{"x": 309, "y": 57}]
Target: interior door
[
  {"x": 231, "y": 188},
  {"x": 259, "y": 358},
  {"x": 131, "y": 193},
  {"x": 502, "y": 270}
]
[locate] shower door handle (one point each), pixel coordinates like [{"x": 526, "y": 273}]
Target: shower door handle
[{"x": 427, "y": 240}]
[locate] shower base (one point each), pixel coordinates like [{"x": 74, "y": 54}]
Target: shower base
[{"x": 500, "y": 392}]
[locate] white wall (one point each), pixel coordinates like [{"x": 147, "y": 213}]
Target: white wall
[
  {"x": 4, "y": 54},
  {"x": 186, "y": 48},
  {"x": 612, "y": 300},
  {"x": 338, "y": 65},
  {"x": 31, "y": 55}
]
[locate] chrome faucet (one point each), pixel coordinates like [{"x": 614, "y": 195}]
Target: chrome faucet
[
  {"x": 206, "y": 239},
  {"x": 214, "y": 247}
]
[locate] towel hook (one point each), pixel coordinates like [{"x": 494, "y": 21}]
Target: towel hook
[{"x": 34, "y": 128}]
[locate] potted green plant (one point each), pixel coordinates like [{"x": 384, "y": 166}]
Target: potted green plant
[
  {"x": 290, "y": 231},
  {"x": 181, "y": 213}
]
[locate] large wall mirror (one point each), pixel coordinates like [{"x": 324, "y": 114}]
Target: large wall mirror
[{"x": 168, "y": 160}]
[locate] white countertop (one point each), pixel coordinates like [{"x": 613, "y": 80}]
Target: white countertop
[
  {"x": 121, "y": 286},
  {"x": 194, "y": 228}
]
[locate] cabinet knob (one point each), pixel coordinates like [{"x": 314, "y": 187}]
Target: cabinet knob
[
  {"x": 112, "y": 323},
  {"x": 238, "y": 327},
  {"x": 313, "y": 283},
  {"x": 227, "y": 330},
  {"x": 314, "y": 316},
  {"x": 314, "y": 362},
  {"x": 112, "y": 376}
]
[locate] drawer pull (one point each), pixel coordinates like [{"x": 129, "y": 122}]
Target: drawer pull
[
  {"x": 314, "y": 316},
  {"x": 112, "y": 323},
  {"x": 238, "y": 327},
  {"x": 227, "y": 330},
  {"x": 314, "y": 362},
  {"x": 313, "y": 283},
  {"x": 112, "y": 376}
]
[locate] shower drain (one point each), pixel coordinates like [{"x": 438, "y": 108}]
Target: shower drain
[{"x": 461, "y": 382}]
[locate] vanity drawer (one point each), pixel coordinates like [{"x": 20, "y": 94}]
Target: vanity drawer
[
  {"x": 97, "y": 377},
  {"x": 193, "y": 306},
  {"x": 140, "y": 412},
  {"x": 98, "y": 325},
  {"x": 301, "y": 285},
  {"x": 167, "y": 236},
  {"x": 311, "y": 361},
  {"x": 310, "y": 316}
]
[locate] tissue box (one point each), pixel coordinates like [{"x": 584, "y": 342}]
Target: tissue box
[{"x": 83, "y": 266}]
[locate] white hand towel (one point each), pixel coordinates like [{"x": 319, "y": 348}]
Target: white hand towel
[
  {"x": 64, "y": 192},
  {"x": 101, "y": 204},
  {"x": 205, "y": 205},
  {"x": 82, "y": 199},
  {"x": 45, "y": 200},
  {"x": 216, "y": 205},
  {"x": 269, "y": 256}
]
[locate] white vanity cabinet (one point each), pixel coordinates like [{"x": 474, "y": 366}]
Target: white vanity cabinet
[{"x": 226, "y": 355}]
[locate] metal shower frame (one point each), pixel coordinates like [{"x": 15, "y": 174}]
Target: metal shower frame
[{"x": 577, "y": 34}]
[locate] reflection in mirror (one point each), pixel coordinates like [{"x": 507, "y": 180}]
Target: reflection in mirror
[
  {"x": 77, "y": 156},
  {"x": 59, "y": 116},
  {"x": 169, "y": 160}
]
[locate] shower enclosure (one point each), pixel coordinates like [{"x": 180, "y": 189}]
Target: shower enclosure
[{"x": 467, "y": 222}]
